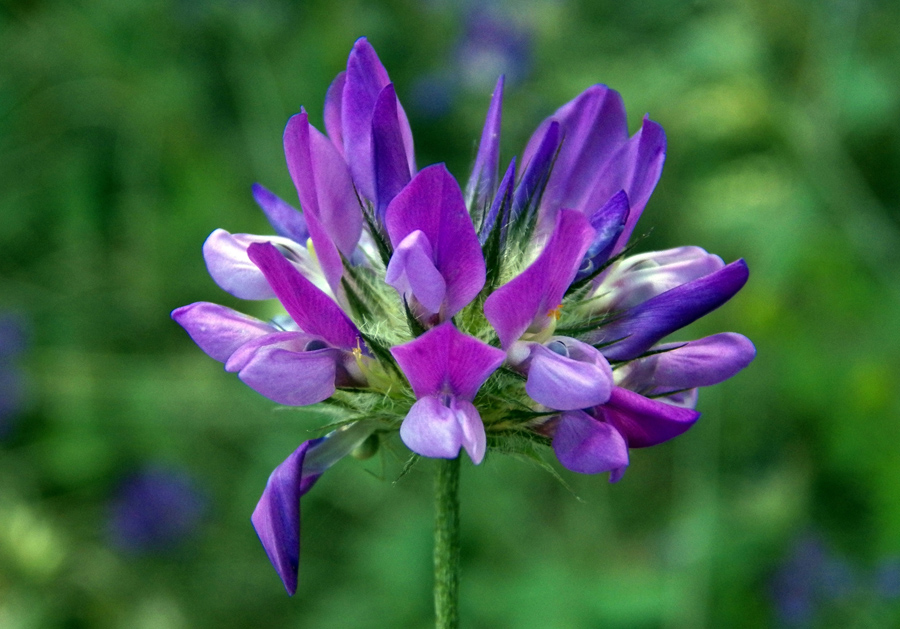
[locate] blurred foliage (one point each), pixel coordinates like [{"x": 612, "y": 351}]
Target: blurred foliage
[{"x": 131, "y": 129}]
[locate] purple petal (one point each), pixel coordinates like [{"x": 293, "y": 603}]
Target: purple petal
[
  {"x": 594, "y": 127},
  {"x": 308, "y": 306},
  {"x": 645, "y": 422},
  {"x": 287, "y": 221},
  {"x": 412, "y": 272},
  {"x": 580, "y": 379},
  {"x": 433, "y": 204},
  {"x": 529, "y": 299},
  {"x": 277, "y": 515},
  {"x": 608, "y": 222},
  {"x": 435, "y": 430},
  {"x": 288, "y": 376},
  {"x": 584, "y": 445},
  {"x": 638, "y": 278},
  {"x": 333, "y": 122},
  {"x": 365, "y": 79},
  {"x": 537, "y": 169},
  {"x": 483, "y": 180},
  {"x": 391, "y": 166},
  {"x": 502, "y": 199},
  {"x": 648, "y": 322},
  {"x": 227, "y": 262},
  {"x": 700, "y": 363},
  {"x": 293, "y": 341},
  {"x": 444, "y": 361},
  {"x": 217, "y": 330}
]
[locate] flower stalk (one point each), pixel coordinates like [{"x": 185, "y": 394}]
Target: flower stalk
[{"x": 446, "y": 544}]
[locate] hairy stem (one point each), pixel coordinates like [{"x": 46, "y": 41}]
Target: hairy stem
[{"x": 446, "y": 544}]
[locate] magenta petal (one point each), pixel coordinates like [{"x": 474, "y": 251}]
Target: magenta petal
[
  {"x": 388, "y": 157},
  {"x": 528, "y": 299},
  {"x": 333, "y": 122},
  {"x": 365, "y": 79},
  {"x": 433, "y": 204},
  {"x": 412, "y": 272},
  {"x": 277, "y": 515},
  {"x": 219, "y": 331},
  {"x": 292, "y": 378},
  {"x": 567, "y": 383},
  {"x": 584, "y": 445},
  {"x": 483, "y": 180},
  {"x": 444, "y": 361},
  {"x": 645, "y": 324},
  {"x": 645, "y": 422},
  {"x": 308, "y": 306},
  {"x": 435, "y": 430}
]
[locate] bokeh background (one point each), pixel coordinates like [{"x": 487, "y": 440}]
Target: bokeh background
[{"x": 130, "y": 462}]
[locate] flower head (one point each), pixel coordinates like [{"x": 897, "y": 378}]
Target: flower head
[{"x": 506, "y": 315}]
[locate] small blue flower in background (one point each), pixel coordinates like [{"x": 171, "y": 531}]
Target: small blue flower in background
[
  {"x": 13, "y": 380},
  {"x": 155, "y": 509}
]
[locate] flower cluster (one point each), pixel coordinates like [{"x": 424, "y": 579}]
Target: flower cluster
[{"x": 506, "y": 316}]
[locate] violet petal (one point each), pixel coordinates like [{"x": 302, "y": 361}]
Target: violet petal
[
  {"x": 581, "y": 380},
  {"x": 435, "y": 430},
  {"x": 388, "y": 157},
  {"x": 608, "y": 222},
  {"x": 217, "y": 330},
  {"x": 277, "y": 515},
  {"x": 446, "y": 361},
  {"x": 433, "y": 204},
  {"x": 645, "y": 324},
  {"x": 333, "y": 122},
  {"x": 292, "y": 378},
  {"x": 308, "y": 306},
  {"x": 412, "y": 272},
  {"x": 645, "y": 422},
  {"x": 482, "y": 184},
  {"x": 534, "y": 176},
  {"x": 529, "y": 299},
  {"x": 287, "y": 221},
  {"x": 587, "y": 446}
]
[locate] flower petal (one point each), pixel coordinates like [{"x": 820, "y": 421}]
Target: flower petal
[
  {"x": 412, "y": 272},
  {"x": 217, "y": 330},
  {"x": 308, "y": 306},
  {"x": 227, "y": 262},
  {"x": 277, "y": 515},
  {"x": 537, "y": 170},
  {"x": 645, "y": 422},
  {"x": 567, "y": 383},
  {"x": 388, "y": 157},
  {"x": 645, "y": 324},
  {"x": 365, "y": 79},
  {"x": 287, "y": 221},
  {"x": 502, "y": 199},
  {"x": 292, "y": 378},
  {"x": 482, "y": 184},
  {"x": 333, "y": 121},
  {"x": 433, "y": 204},
  {"x": 608, "y": 222},
  {"x": 435, "y": 430},
  {"x": 587, "y": 446},
  {"x": 445, "y": 361},
  {"x": 528, "y": 299}
]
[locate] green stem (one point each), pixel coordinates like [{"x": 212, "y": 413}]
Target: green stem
[{"x": 446, "y": 544}]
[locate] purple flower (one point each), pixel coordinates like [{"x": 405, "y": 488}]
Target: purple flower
[
  {"x": 155, "y": 509},
  {"x": 13, "y": 380},
  {"x": 507, "y": 315}
]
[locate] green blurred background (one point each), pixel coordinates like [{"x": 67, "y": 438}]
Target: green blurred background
[{"x": 130, "y": 130}]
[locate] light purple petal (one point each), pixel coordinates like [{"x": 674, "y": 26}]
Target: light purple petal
[
  {"x": 365, "y": 79},
  {"x": 277, "y": 515},
  {"x": 593, "y": 127},
  {"x": 412, "y": 272},
  {"x": 483, "y": 180},
  {"x": 529, "y": 299},
  {"x": 700, "y": 363},
  {"x": 584, "y": 445},
  {"x": 648, "y": 322},
  {"x": 388, "y": 157},
  {"x": 638, "y": 278},
  {"x": 219, "y": 331},
  {"x": 581, "y": 379},
  {"x": 293, "y": 341},
  {"x": 433, "y": 204},
  {"x": 333, "y": 122},
  {"x": 227, "y": 262},
  {"x": 308, "y": 306},
  {"x": 645, "y": 422},
  {"x": 287, "y": 221},
  {"x": 436, "y": 430},
  {"x": 292, "y": 378},
  {"x": 444, "y": 361}
]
